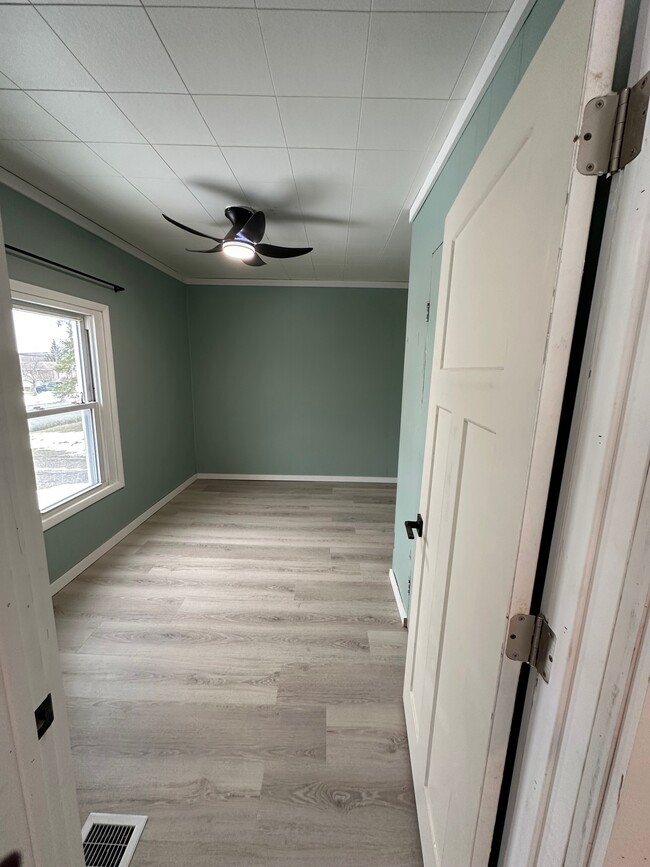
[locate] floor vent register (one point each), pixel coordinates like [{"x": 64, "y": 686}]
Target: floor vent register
[{"x": 109, "y": 840}]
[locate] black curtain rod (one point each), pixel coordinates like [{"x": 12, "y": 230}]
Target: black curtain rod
[{"x": 27, "y": 254}]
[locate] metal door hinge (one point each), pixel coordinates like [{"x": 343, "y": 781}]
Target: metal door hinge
[
  {"x": 612, "y": 129},
  {"x": 428, "y": 310},
  {"x": 531, "y": 640}
]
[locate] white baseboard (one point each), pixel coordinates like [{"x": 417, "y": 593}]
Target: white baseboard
[
  {"x": 377, "y": 480},
  {"x": 79, "y": 567},
  {"x": 398, "y": 598}
]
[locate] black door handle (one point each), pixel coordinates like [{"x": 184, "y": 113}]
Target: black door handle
[{"x": 414, "y": 525}]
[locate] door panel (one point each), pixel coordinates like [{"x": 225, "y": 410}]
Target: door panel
[{"x": 510, "y": 278}]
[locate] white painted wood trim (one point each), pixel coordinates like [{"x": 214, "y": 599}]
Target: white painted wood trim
[
  {"x": 398, "y": 598},
  {"x": 564, "y": 749},
  {"x": 28, "y": 645},
  {"x": 98, "y": 321},
  {"x": 505, "y": 37},
  {"x": 371, "y": 480},
  {"x": 82, "y": 565},
  {"x": 31, "y": 192}
]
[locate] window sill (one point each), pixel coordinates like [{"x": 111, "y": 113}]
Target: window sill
[{"x": 71, "y": 507}]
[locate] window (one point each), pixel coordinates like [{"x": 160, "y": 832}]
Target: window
[{"x": 69, "y": 391}]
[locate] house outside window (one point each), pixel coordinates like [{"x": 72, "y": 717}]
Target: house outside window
[{"x": 64, "y": 346}]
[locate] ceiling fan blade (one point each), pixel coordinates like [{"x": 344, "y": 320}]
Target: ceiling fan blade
[
  {"x": 282, "y": 252},
  {"x": 253, "y": 231},
  {"x": 192, "y": 231},
  {"x": 216, "y": 249},
  {"x": 239, "y": 215},
  {"x": 256, "y": 262}
]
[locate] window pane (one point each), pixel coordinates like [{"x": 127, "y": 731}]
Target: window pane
[
  {"x": 65, "y": 457},
  {"x": 50, "y": 358}
]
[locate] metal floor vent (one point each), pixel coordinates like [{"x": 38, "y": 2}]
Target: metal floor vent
[{"x": 109, "y": 840}]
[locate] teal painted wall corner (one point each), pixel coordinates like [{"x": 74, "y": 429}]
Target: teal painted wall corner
[{"x": 297, "y": 380}]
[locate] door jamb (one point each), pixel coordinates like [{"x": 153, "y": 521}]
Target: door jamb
[
  {"x": 607, "y": 464},
  {"x": 28, "y": 644}
]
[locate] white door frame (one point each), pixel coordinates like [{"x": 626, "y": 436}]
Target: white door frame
[
  {"x": 579, "y": 729},
  {"x": 29, "y": 656}
]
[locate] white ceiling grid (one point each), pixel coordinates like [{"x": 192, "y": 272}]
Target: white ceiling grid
[{"x": 331, "y": 111}]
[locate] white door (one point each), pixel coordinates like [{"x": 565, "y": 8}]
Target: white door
[
  {"x": 513, "y": 255},
  {"x": 38, "y": 810}
]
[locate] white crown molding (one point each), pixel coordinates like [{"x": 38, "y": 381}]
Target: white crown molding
[
  {"x": 505, "y": 37},
  {"x": 330, "y": 284},
  {"x": 52, "y": 204}
]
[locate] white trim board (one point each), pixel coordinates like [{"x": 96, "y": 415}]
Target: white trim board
[
  {"x": 371, "y": 480},
  {"x": 505, "y": 37},
  {"x": 82, "y": 565},
  {"x": 398, "y": 598}
]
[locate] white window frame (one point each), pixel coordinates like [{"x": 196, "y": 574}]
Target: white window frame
[{"x": 109, "y": 449}]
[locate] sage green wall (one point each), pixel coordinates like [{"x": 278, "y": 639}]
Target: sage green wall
[
  {"x": 297, "y": 380},
  {"x": 426, "y": 241},
  {"x": 152, "y": 367}
]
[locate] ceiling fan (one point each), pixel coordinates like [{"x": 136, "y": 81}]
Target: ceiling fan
[{"x": 243, "y": 241}]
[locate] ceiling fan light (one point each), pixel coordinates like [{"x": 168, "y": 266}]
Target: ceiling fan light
[{"x": 238, "y": 250}]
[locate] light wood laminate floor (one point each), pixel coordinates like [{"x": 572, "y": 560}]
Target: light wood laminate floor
[{"x": 234, "y": 670}]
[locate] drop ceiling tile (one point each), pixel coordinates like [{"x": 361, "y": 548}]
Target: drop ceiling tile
[
  {"x": 172, "y": 197},
  {"x": 165, "y": 118},
  {"x": 442, "y": 131},
  {"x": 89, "y": 2},
  {"x": 232, "y": 4},
  {"x": 243, "y": 120},
  {"x": 203, "y": 165},
  {"x": 6, "y": 82},
  {"x": 320, "y": 122},
  {"x": 432, "y": 5},
  {"x": 216, "y": 50},
  {"x": 323, "y": 202},
  {"x": 316, "y": 53},
  {"x": 90, "y": 116},
  {"x": 333, "y": 5},
  {"x": 392, "y": 168},
  {"x": 17, "y": 158},
  {"x": 22, "y": 118},
  {"x": 215, "y": 200},
  {"x": 484, "y": 41},
  {"x": 118, "y": 45},
  {"x": 70, "y": 157},
  {"x": 431, "y": 47},
  {"x": 279, "y": 196},
  {"x": 327, "y": 238},
  {"x": 399, "y": 124},
  {"x": 133, "y": 160},
  {"x": 322, "y": 165},
  {"x": 102, "y": 198},
  {"x": 501, "y": 5},
  {"x": 259, "y": 165},
  {"x": 285, "y": 232},
  {"x": 33, "y": 56},
  {"x": 376, "y": 204}
]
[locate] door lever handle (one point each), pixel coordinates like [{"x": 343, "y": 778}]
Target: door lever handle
[{"x": 414, "y": 525}]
